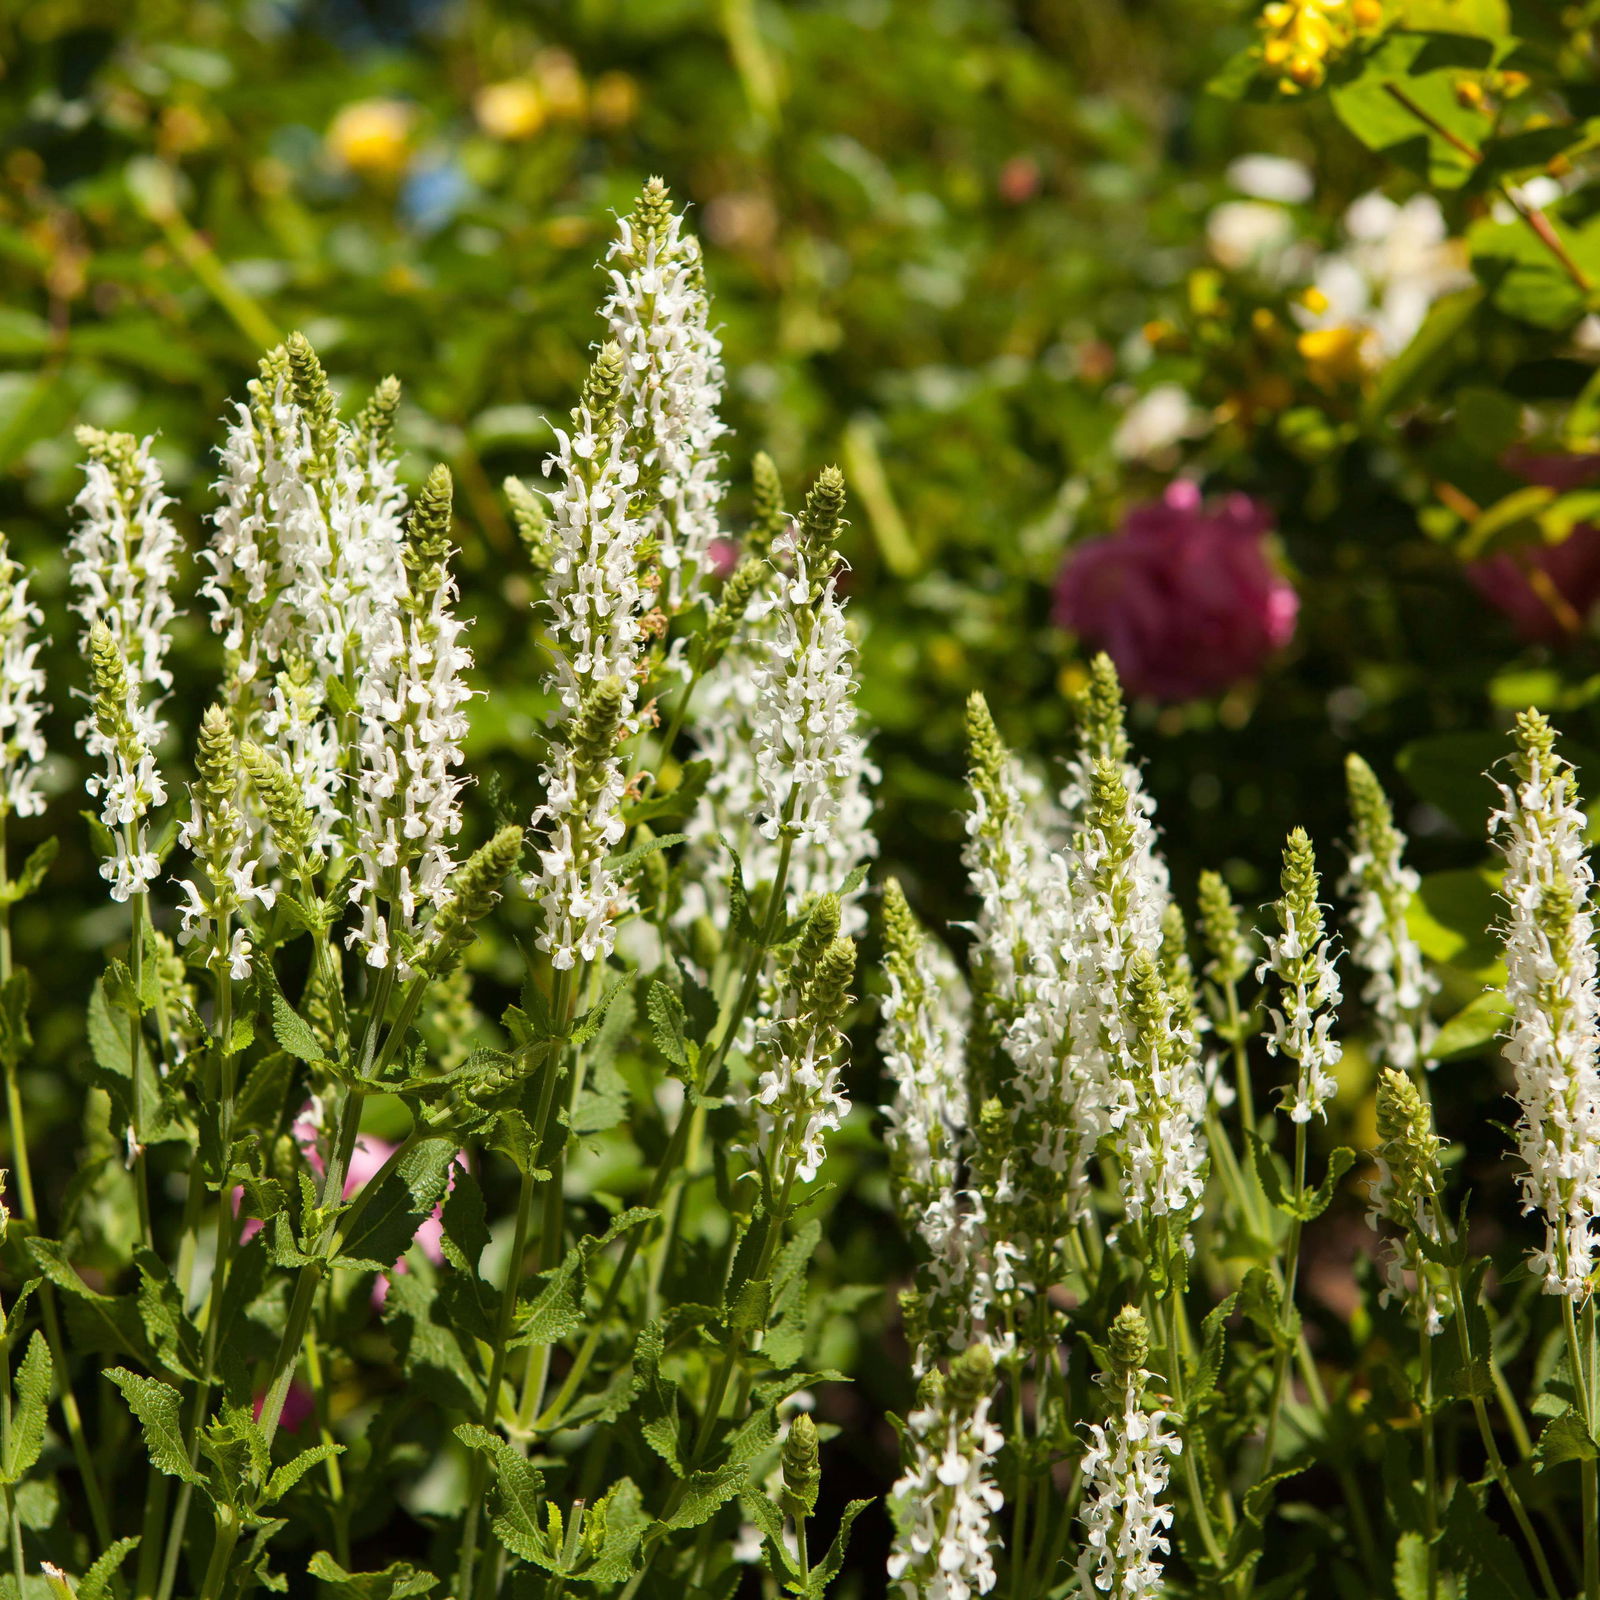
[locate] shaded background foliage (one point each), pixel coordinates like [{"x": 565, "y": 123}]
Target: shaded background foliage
[{"x": 936, "y": 230}]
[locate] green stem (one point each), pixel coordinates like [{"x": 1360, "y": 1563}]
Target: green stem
[
  {"x": 13, "y": 1521},
  {"x": 216, "y": 1577},
  {"x": 1491, "y": 1447},
  {"x": 28, "y": 1212},
  {"x": 1430, "y": 1464},
  {"x": 1291, "y": 1272}
]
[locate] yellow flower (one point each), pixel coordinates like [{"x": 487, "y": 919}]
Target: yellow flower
[
  {"x": 511, "y": 110},
  {"x": 372, "y": 137},
  {"x": 1334, "y": 356},
  {"x": 1299, "y": 38},
  {"x": 566, "y": 95},
  {"x": 615, "y": 100}
]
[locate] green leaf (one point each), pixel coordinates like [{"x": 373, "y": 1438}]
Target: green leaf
[
  {"x": 294, "y": 1033},
  {"x": 1524, "y": 276},
  {"x": 96, "y": 1582},
  {"x": 624, "y": 866},
  {"x": 1411, "y": 1577},
  {"x": 704, "y": 1493},
  {"x": 1451, "y": 771},
  {"x": 626, "y": 1521},
  {"x": 829, "y": 1567},
  {"x": 26, "y": 1438},
  {"x": 98, "y": 1322},
  {"x": 1315, "y": 1201},
  {"x": 465, "y": 1222},
  {"x": 155, "y": 1404},
  {"x": 658, "y": 1398},
  {"x": 173, "y": 1337},
  {"x": 520, "y": 1488},
  {"x": 1565, "y": 1438},
  {"x": 292, "y": 1471},
  {"x": 33, "y": 871},
  {"x": 667, "y": 1023},
  {"x": 1402, "y": 103},
  {"x": 1453, "y": 916},
  {"x": 404, "y": 1200},
  {"x": 397, "y": 1582},
  {"x": 1482, "y": 1558},
  {"x": 675, "y": 802},
  {"x": 1478, "y": 1023}
]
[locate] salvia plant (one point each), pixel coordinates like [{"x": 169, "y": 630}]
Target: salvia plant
[{"x": 1105, "y": 1118}]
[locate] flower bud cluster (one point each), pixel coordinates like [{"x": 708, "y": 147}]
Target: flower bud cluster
[
  {"x": 946, "y": 1501},
  {"x": 1555, "y": 1005},
  {"x": 22, "y": 686},
  {"x": 1300, "y": 959},
  {"x": 1125, "y": 1472},
  {"x": 923, "y": 1043},
  {"x": 1381, "y": 888},
  {"x": 224, "y": 852},
  {"x": 799, "y": 1097},
  {"x": 1406, "y": 1195},
  {"x": 123, "y": 558},
  {"x": 659, "y": 318}
]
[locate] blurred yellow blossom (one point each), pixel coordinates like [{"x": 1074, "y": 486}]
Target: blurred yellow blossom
[
  {"x": 614, "y": 102},
  {"x": 566, "y": 96},
  {"x": 1299, "y": 38},
  {"x": 510, "y": 110},
  {"x": 372, "y": 137},
  {"x": 1335, "y": 356}
]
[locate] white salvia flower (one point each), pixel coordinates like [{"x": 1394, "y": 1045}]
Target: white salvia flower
[
  {"x": 1158, "y": 1103},
  {"x": 1381, "y": 888},
  {"x": 123, "y": 554},
  {"x": 1555, "y": 1007},
  {"x": 799, "y": 1096},
  {"x": 723, "y": 735},
  {"x": 806, "y": 744},
  {"x": 1125, "y": 1472},
  {"x": 308, "y": 577},
  {"x": 1300, "y": 959},
  {"x": 659, "y": 317},
  {"x": 224, "y": 851},
  {"x": 923, "y": 1041},
  {"x": 22, "y": 686},
  {"x": 412, "y": 723},
  {"x": 597, "y": 635},
  {"x": 946, "y": 1499}
]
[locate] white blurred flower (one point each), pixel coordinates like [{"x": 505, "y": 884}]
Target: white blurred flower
[
  {"x": 1266, "y": 177},
  {"x": 1155, "y": 422}
]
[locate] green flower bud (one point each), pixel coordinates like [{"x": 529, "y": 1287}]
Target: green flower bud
[
  {"x": 532, "y": 522},
  {"x": 375, "y": 420},
  {"x": 821, "y": 929},
  {"x": 427, "y": 550},
  {"x": 475, "y": 886},
  {"x": 821, "y": 519},
  {"x": 1099, "y": 712},
  {"x": 802, "y": 1468},
  {"x": 724, "y": 621},
  {"x": 971, "y": 1378},
  {"x": 287, "y": 814},
  {"x": 771, "y": 515},
  {"x": 314, "y": 395},
  {"x": 602, "y": 389},
  {"x": 652, "y": 211},
  {"x": 1406, "y": 1141},
  {"x": 1222, "y": 931},
  {"x": 1130, "y": 1343}
]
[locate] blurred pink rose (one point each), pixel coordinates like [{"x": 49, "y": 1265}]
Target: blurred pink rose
[
  {"x": 1546, "y": 590},
  {"x": 1183, "y": 598},
  {"x": 298, "y": 1405},
  {"x": 722, "y": 556},
  {"x": 366, "y": 1161}
]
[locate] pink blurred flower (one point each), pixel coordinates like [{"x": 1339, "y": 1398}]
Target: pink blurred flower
[
  {"x": 298, "y": 1405},
  {"x": 1183, "y": 598},
  {"x": 366, "y": 1161},
  {"x": 1547, "y": 591},
  {"x": 722, "y": 556}
]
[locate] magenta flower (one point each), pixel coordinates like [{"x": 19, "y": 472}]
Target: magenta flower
[
  {"x": 1183, "y": 598},
  {"x": 1547, "y": 591}
]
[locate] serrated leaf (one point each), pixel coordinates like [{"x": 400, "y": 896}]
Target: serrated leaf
[
  {"x": 1565, "y": 1438},
  {"x": 626, "y": 1521},
  {"x": 105, "y": 1323},
  {"x": 520, "y": 1488},
  {"x": 397, "y": 1582},
  {"x": 829, "y": 1567},
  {"x": 1525, "y": 278},
  {"x": 156, "y": 1405},
  {"x": 658, "y": 1397},
  {"x": 403, "y": 1201},
  {"x": 293, "y": 1033},
  {"x": 1315, "y": 1201},
  {"x": 1479, "y": 1023},
  {"x": 465, "y": 1227},
  {"x": 1411, "y": 1576},
  {"x": 33, "y": 871},
  {"x": 703, "y": 1495},
  {"x": 624, "y": 866},
  {"x": 26, "y": 1440},
  {"x": 292, "y": 1471},
  {"x": 94, "y": 1584},
  {"x": 667, "y": 1021}
]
